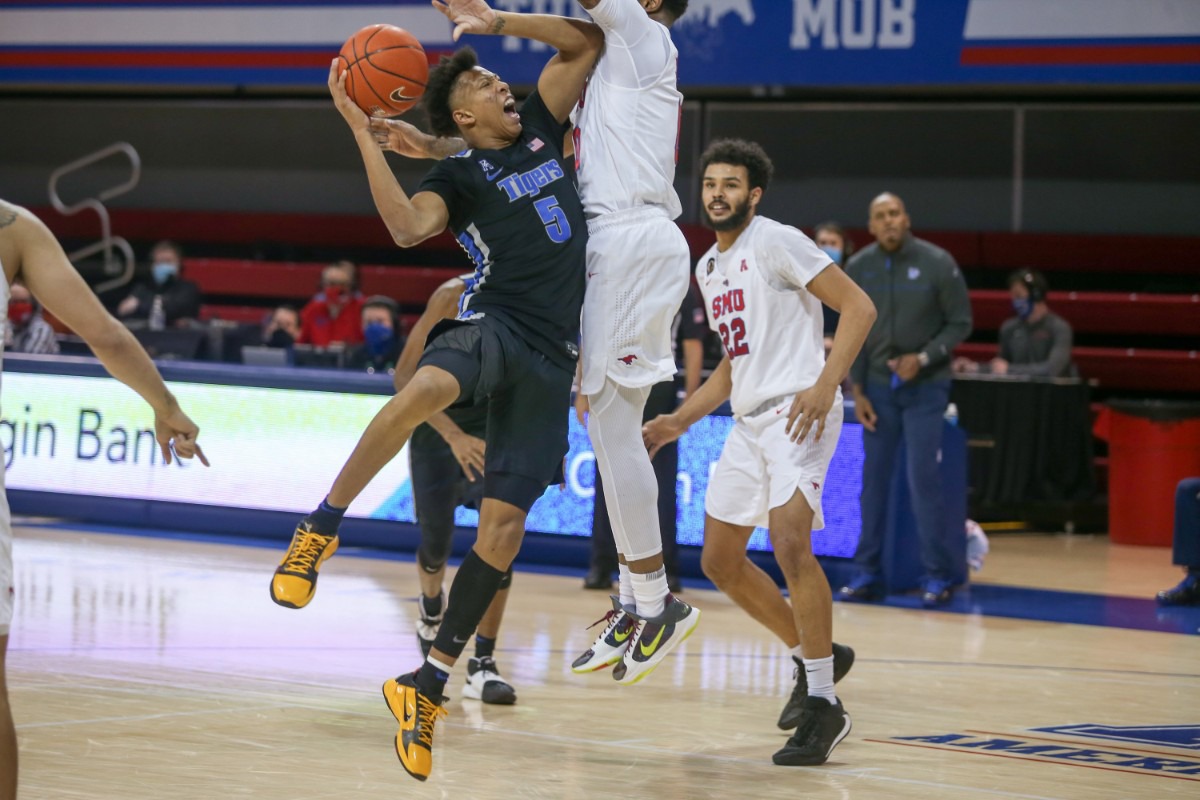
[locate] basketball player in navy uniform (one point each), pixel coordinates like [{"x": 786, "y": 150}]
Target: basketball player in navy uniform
[
  {"x": 511, "y": 203},
  {"x": 447, "y": 460},
  {"x": 625, "y": 138},
  {"x": 28, "y": 251}
]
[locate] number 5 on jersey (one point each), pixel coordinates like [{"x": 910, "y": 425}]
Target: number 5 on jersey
[{"x": 554, "y": 218}]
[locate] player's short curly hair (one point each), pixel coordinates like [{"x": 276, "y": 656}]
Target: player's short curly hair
[
  {"x": 675, "y": 8},
  {"x": 438, "y": 90},
  {"x": 740, "y": 153}
]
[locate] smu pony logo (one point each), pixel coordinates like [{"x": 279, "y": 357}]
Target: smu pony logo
[
  {"x": 628, "y": 360},
  {"x": 728, "y": 303},
  {"x": 530, "y": 183}
]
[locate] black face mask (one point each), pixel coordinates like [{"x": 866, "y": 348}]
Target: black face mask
[{"x": 280, "y": 338}]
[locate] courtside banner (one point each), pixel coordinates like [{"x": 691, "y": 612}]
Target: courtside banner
[
  {"x": 280, "y": 449},
  {"x": 752, "y": 44}
]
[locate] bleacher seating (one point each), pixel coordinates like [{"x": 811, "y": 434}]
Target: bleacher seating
[
  {"x": 1101, "y": 312},
  {"x": 243, "y": 291}
]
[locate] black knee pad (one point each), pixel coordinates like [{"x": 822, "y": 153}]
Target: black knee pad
[{"x": 431, "y": 562}]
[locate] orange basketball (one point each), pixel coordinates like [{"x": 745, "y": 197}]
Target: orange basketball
[{"x": 388, "y": 70}]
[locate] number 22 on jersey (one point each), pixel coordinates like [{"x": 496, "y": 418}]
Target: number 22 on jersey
[{"x": 733, "y": 336}]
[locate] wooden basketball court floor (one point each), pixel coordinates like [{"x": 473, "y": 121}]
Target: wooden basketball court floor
[{"x": 148, "y": 668}]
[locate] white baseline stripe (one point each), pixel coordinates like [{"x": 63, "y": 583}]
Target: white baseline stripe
[
  {"x": 307, "y": 25},
  {"x": 1081, "y": 19}
]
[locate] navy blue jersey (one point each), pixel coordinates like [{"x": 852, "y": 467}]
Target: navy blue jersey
[{"x": 517, "y": 213}]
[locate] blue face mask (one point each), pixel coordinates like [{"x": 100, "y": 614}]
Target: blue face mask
[
  {"x": 379, "y": 338},
  {"x": 834, "y": 253},
  {"x": 1022, "y": 306},
  {"x": 163, "y": 271}
]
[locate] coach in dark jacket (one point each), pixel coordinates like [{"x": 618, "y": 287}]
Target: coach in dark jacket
[{"x": 901, "y": 388}]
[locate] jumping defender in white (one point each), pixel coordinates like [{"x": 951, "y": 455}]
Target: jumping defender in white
[
  {"x": 626, "y": 141},
  {"x": 763, "y": 284}
]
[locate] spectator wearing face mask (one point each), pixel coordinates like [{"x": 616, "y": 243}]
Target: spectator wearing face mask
[
  {"x": 180, "y": 299},
  {"x": 25, "y": 330},
  {"x": 832, "y": 238},
  {"x": 283, "y": 328},
  {"x": 381, "y": 337},
  {"x": 333, "y": 316},
  {"x": 1034, "y": 342}
]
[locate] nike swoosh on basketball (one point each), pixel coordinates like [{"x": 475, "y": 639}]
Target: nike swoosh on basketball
[
  {"x": 653, "y": 644},
  {"x": 399, "y": 96}
]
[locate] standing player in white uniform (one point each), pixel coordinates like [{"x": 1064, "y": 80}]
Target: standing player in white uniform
[
  {"x": 626, "y": 142},
  {"x": 763, "y": 284},
  {"x": 29, "y": 251}
]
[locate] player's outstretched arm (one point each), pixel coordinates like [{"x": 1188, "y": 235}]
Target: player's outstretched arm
[
  {"x": 666, "y": 428},
  {"x": 577, "y": 41},
  {"x": 409, "y": 220},
  {"x": 407, "y": 140},
  {"x": 29, "y": 251}
]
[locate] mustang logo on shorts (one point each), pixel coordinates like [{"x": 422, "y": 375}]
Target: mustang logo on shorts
[{"x": 628, "y": 360}]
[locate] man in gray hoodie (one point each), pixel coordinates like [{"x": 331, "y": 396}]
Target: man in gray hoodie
[{"x": 901, "y": 388}]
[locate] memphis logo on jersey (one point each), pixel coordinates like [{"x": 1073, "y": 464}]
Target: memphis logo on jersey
[{"x": 530, "y": 183}]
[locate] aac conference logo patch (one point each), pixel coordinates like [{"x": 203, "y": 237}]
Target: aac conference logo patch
[{"x": 1118, "y": 755}]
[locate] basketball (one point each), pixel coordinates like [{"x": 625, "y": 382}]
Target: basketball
[{"x": 388, "y": 70}]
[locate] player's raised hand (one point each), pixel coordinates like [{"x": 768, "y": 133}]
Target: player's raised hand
[
  {"x": 809, "y": 408},
  {"x": 176, "y": 433},
  {"x": 354, "y": 116},
  {"x": 661, "y": 431},
  {"x": 469, "y": 16}
]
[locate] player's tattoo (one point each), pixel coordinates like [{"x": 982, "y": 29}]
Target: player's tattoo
[
  {"x": 7, "y": 217},
  {"x": 497, "y": 26}
]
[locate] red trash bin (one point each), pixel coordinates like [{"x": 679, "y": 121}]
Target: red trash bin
[{"x": 1152, "y": 446}]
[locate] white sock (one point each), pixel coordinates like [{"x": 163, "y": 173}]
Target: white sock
[
  {"x": 819, "y": 672},
  {"x": 626, "y": 585},
  {"x": 651, "y": 592},
  {"x": 798, "y": 655}
]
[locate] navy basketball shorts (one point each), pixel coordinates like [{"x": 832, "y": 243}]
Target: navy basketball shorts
[{"x": 528, "y": 398}]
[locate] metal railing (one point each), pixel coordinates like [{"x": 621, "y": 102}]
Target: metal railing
[{"x": 107, "y": 243}]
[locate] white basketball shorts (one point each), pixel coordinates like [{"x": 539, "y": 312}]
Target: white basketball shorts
[
  {"x": 761, "y": 468},
  {"x": 638, "y": 267}
]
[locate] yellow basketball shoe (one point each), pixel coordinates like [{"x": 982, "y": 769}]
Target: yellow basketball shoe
[
  {"x": 295, "y": 580},
  {"x": 417, "y": 714}
]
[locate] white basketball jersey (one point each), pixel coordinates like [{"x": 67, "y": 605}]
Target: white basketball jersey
[
  {"x": 769, "y": 323},
  {"x": 627, "y": 121}
]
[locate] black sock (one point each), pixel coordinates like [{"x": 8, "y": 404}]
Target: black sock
[
  {"x": 471, "y": 593},
  {"x": 484, "y": 647},
  {"x": 326, "y": 519},
  {"x": 431, "y": 607}
]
